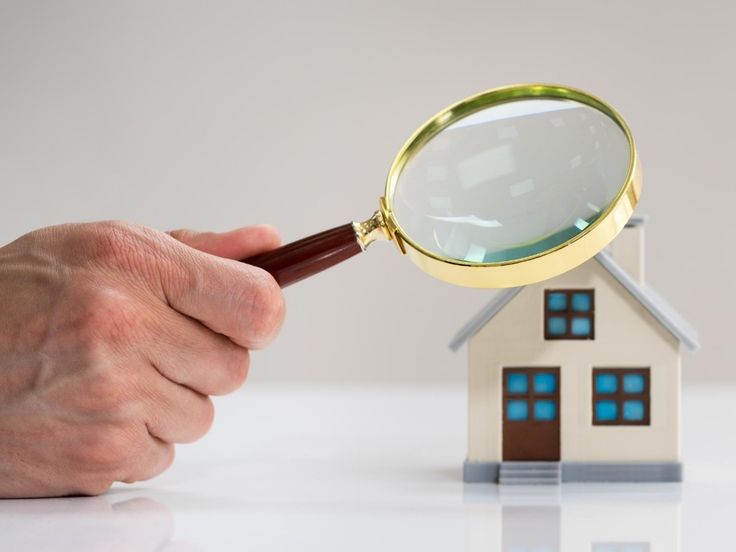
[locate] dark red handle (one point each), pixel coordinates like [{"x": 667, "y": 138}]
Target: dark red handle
[{"x": 300, "y": 259}]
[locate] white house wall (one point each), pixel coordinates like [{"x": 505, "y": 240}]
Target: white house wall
[{"x": 626, "y": 335}]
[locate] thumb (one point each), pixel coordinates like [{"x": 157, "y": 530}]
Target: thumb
[{"x": 237, "y": 244}]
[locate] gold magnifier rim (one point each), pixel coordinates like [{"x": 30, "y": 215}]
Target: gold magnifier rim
[{"x": 534, "y": 268}]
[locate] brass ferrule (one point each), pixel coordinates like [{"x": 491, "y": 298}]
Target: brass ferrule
[{"x": 371, "y": 230}]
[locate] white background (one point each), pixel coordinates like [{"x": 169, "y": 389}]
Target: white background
[{"x": 212, "y": 115}]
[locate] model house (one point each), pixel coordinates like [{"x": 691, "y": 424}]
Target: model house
[{"x": 577, "y": 378}]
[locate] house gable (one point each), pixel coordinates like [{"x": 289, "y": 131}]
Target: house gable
[
  {"x": 620, "y": 318},
  {"x": 647, "y": 298}
]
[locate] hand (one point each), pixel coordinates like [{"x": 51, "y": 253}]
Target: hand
[{"x": 112, "y": 336}]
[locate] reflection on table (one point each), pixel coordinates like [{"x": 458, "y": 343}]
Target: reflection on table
[
  {"x": 574, "y": 518},
  {"x": 104, "y": 523}
]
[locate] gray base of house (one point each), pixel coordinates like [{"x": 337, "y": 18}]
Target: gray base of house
[{"x": 587, "y": 472}]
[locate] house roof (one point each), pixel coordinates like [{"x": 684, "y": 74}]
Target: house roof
[{"x": 649, "y": 299}]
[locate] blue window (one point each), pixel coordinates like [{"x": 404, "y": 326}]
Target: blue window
[
  {"x": 582, "y": 301},
  {"x": 606, "y": 411},
  {"x": 581, "y": 327},
  {"x": 621, "y": 396},
  {"x": 545, "y": 410},
  {"x": 531, "y": 394},
  {"x": 517, "y": 383},
  {"x": 605, "y": 383},
  {"x": 633, "y": 411},
  {"x": 557, "y": 326},
  {"x": 517, "y": 411},
  {"x": 634, "y": 383},
  {"x": 557, "y": 301},
  {"x": 545, "y": 383},
  {"x": 569, "y": 314}
]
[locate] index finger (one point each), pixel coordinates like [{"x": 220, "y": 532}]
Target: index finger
[{"x": 231, "y": 298}]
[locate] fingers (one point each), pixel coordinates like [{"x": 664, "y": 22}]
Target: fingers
[
  {"x": 153, "y": 457},
  {"x": 236, "y": 244},
  {"x": 231, "y": 298},
  {"x": 189, "y": 354},
  {"x": 174, "y": 413}
]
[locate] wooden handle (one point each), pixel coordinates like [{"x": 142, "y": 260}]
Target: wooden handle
[{"x": 300, "y": 259}]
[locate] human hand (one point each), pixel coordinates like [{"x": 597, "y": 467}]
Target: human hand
[{"x": 112, "y": 338}]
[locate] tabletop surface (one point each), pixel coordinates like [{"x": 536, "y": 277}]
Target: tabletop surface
[{"x": 379, "y": 468}]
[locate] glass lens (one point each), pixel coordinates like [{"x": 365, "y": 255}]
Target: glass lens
[{"x": 512, "y": 180}]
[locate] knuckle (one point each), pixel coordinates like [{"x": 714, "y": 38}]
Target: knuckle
[
  {"x": 106, "y": 393},
  {"x": 264, "y": 308},
  {"x": 105, "y": 316},
  {"x": 236, "y": 368},
  {"x": 106, "y": 240},
  {"x": 95, "y": 486},
  {"x": 155, "y": 465},
  {"x": 135, "y": 250},
  {"x": 178, "y": 270},
  {"x": 115, "y": 236},
  {"x": 206, "y": 418},
  {"x": 106, "y": 450}
]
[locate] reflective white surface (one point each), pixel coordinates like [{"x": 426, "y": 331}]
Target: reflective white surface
[
  {"x": 379, "y": 469},
  {"x": 512, "y": 180}
]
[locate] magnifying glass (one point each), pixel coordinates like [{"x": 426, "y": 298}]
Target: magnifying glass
[{"x": 505, "y": 188}]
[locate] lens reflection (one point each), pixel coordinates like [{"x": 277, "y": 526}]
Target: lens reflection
[{"x": 512, "y": 180}]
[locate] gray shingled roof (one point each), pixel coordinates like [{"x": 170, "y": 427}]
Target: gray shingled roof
[{"x": 649, "y": 299}]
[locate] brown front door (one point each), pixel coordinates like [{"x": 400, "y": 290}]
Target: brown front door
[{"x": 531, "y": 413}]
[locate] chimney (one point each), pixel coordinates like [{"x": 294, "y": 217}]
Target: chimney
[{"x": 628, "y": 248}]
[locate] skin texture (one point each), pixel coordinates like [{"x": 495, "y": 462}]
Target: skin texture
[{"x": 112, "y": 338}]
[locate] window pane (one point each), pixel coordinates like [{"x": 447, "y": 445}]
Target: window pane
[
  {"x": 581, "y": 302},
  {"x": 517, "y": 383},
  {"x": 633, "y": 411},
  {"x": 580, "y": 327},
  {"x": 605, "y": 383},
  {"x": 633, "y": 383},
  {"x": 545, "y": 383},
  {"x": 517, "y": 411},
  {"x": 606, "y": 411},
  {"x": 545, "y": 410},
  {"x": 556, "y": 325},
  {"x": 556, "y": 301}
]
